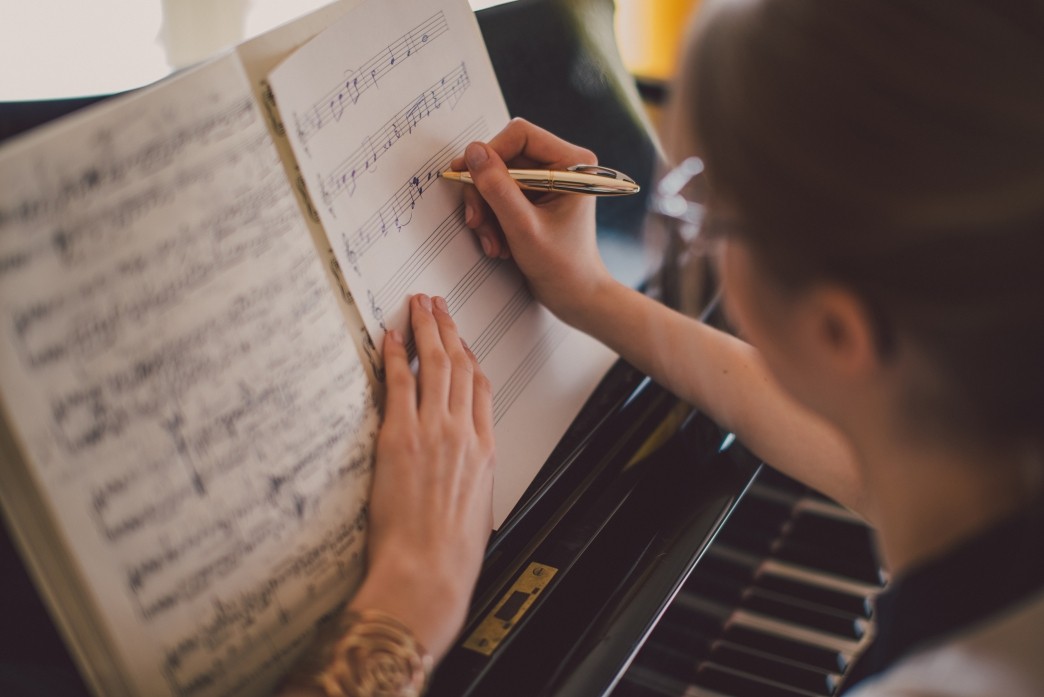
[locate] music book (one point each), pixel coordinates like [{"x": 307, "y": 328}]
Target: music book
[{"x": 194, "y": 279}]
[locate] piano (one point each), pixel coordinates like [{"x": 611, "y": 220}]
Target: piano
[{"x": 653, "y": 555}]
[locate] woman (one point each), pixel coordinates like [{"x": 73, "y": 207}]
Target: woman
[{"x": 875, "y": 195}]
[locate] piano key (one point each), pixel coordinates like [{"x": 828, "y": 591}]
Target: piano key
[
  {"x": 641, "y": 682},
  {"x": 843, "y": 566},
  {"x": 778, "y": 605},
  {"x": 667, "y": 657},
  {"x": 833, "y": 535},
  {"x": 802, "y": 653},
  {"x": 775, "y": 669},
  {"x": 754, "y": 525},
  {"x": 724, "y": 581},
  {"x": 670, "y": 659},
  {"x": 848, "y": 627},
  {"x": 734, "y": 682},
  {"x": 644, "y": 682},
  {"x": 771, "y": 625},
  {"x": 796, "y": 572},
  {"x": 856, "y": 604}
]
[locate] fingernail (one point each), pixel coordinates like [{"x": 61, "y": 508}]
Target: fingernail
[
  {"x": 440, "y": 303},
  {"x": 469, "y": 214},
  {"x": 395, "y": 335},
  {"x": 487, "y": 248},
  {"x": 475, "y": 155},
  {"x": 424, "y": 301}
]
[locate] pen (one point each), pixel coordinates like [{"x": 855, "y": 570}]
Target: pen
[{"x": 578, "y": 179}]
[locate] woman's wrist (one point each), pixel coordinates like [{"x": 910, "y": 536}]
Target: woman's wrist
[
  {"x": 596, "y": 312},
  {"x": 432, "y": 603}
]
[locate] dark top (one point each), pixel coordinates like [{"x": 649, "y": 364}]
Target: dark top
[{"x": 983, "y": 577}]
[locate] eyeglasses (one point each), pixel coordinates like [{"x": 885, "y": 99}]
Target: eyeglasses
[{"x": 686, "y": 278}]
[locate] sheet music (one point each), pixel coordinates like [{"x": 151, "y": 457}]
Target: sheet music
[
  {"x": 375, "y": 108},
  {"x": 182, "y": 381}
]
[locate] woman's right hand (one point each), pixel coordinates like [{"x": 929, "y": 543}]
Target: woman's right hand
[{"x": 551, "y": 236}]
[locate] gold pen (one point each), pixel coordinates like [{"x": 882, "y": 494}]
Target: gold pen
[{"x": 578, "y": 179}]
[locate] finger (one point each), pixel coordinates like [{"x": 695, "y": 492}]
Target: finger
[
  {"x": 461, "y": 389},
  {"x": 522, "y": 139},
  {"x": 482, "y": 399},
  {"x": 497, "y": 188},
  {"x": 481, "y": 220},
  {"x": 434, "y": 373},
  {"x": 401, "y": 400}
]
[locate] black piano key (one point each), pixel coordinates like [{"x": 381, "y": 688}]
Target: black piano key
[
  {"x": 833, "y": 535},
  {"x": 729, "y": 682},
  {"x": 719, "y": 579},
  {"x": 780, "y": 671},
  {"x": 643, "y": 682},
  {"x": 687, "y": 632},
  {"x": 630, "y": 686},
  {"x": 860, "y": 569},
  {"x": 754, "y": 525},
  {"x": 818, "y": 657},
  {"x": 849, "y": 603},
  {"x": 840, "y": 547},
  {"x": 670, "y": 659},
  {"x": 846, "y": 627}
]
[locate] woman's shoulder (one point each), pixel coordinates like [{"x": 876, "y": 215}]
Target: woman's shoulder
[{"x": 1000, "y": 657}]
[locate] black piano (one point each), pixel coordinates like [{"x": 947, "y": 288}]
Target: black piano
[{"x": 653, "y": 554}]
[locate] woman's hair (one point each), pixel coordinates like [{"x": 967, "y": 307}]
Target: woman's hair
[{"x": 895, "y": 147}]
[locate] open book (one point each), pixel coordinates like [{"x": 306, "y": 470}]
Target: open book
[{"x": 193, "y": 280}]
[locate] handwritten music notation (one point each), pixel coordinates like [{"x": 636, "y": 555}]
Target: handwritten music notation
[
  {"x": 448, "y": 90},
  {"x": 421, "y": 258},
  {"x": 347, "y": 92},
  {"x": 394, "y": 232},
  {"x": 397, "y": 211}
]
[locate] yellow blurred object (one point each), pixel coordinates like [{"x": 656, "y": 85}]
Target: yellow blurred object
[{"x": 650, "y": 33}]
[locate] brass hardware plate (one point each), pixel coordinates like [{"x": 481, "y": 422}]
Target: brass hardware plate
[{"x": 511, "y": 607}]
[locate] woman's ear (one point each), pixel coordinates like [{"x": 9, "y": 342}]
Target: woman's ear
[{"x": 840, "y": 332}]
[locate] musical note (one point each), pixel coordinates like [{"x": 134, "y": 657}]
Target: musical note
[
  {"x": 342, "y": 179},
  {"x": 401, "y": 205},
  {"x": 421, "y": 257},
  {"x": 330, "y": 107},
  {"x": 400, "y": 230}
]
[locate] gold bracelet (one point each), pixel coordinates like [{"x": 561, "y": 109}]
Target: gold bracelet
[{"x": 365, "y": 653}]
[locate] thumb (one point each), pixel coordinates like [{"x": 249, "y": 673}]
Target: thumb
[{"x": 498, "y": 189}]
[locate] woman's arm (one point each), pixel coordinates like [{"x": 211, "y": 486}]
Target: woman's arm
[
  {"x": 552, "y": 238},
  {"x": 726, "y": 379},
  {"x": 430, "y": 511}
]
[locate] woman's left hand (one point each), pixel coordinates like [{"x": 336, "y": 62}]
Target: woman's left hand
[{"x": 431, "y": 505}]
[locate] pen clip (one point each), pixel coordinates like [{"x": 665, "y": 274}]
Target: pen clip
[{"x": 602, "y": 172}]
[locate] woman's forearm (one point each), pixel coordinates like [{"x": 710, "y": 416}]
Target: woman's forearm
[{"x": 726, "y": 379}]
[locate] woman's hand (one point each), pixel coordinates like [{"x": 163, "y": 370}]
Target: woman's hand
[
  {"x": 431, "y": 505},
  {"x": 551, "y": 236}
]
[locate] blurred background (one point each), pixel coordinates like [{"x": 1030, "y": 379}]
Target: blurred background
[{"x": 60, "y": 48}]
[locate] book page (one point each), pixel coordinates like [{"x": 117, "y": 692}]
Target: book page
[
  {"x": 258, "y": 57},
  {"x": 375, "y": 108},
  {"x": 180, "y": 379}
]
